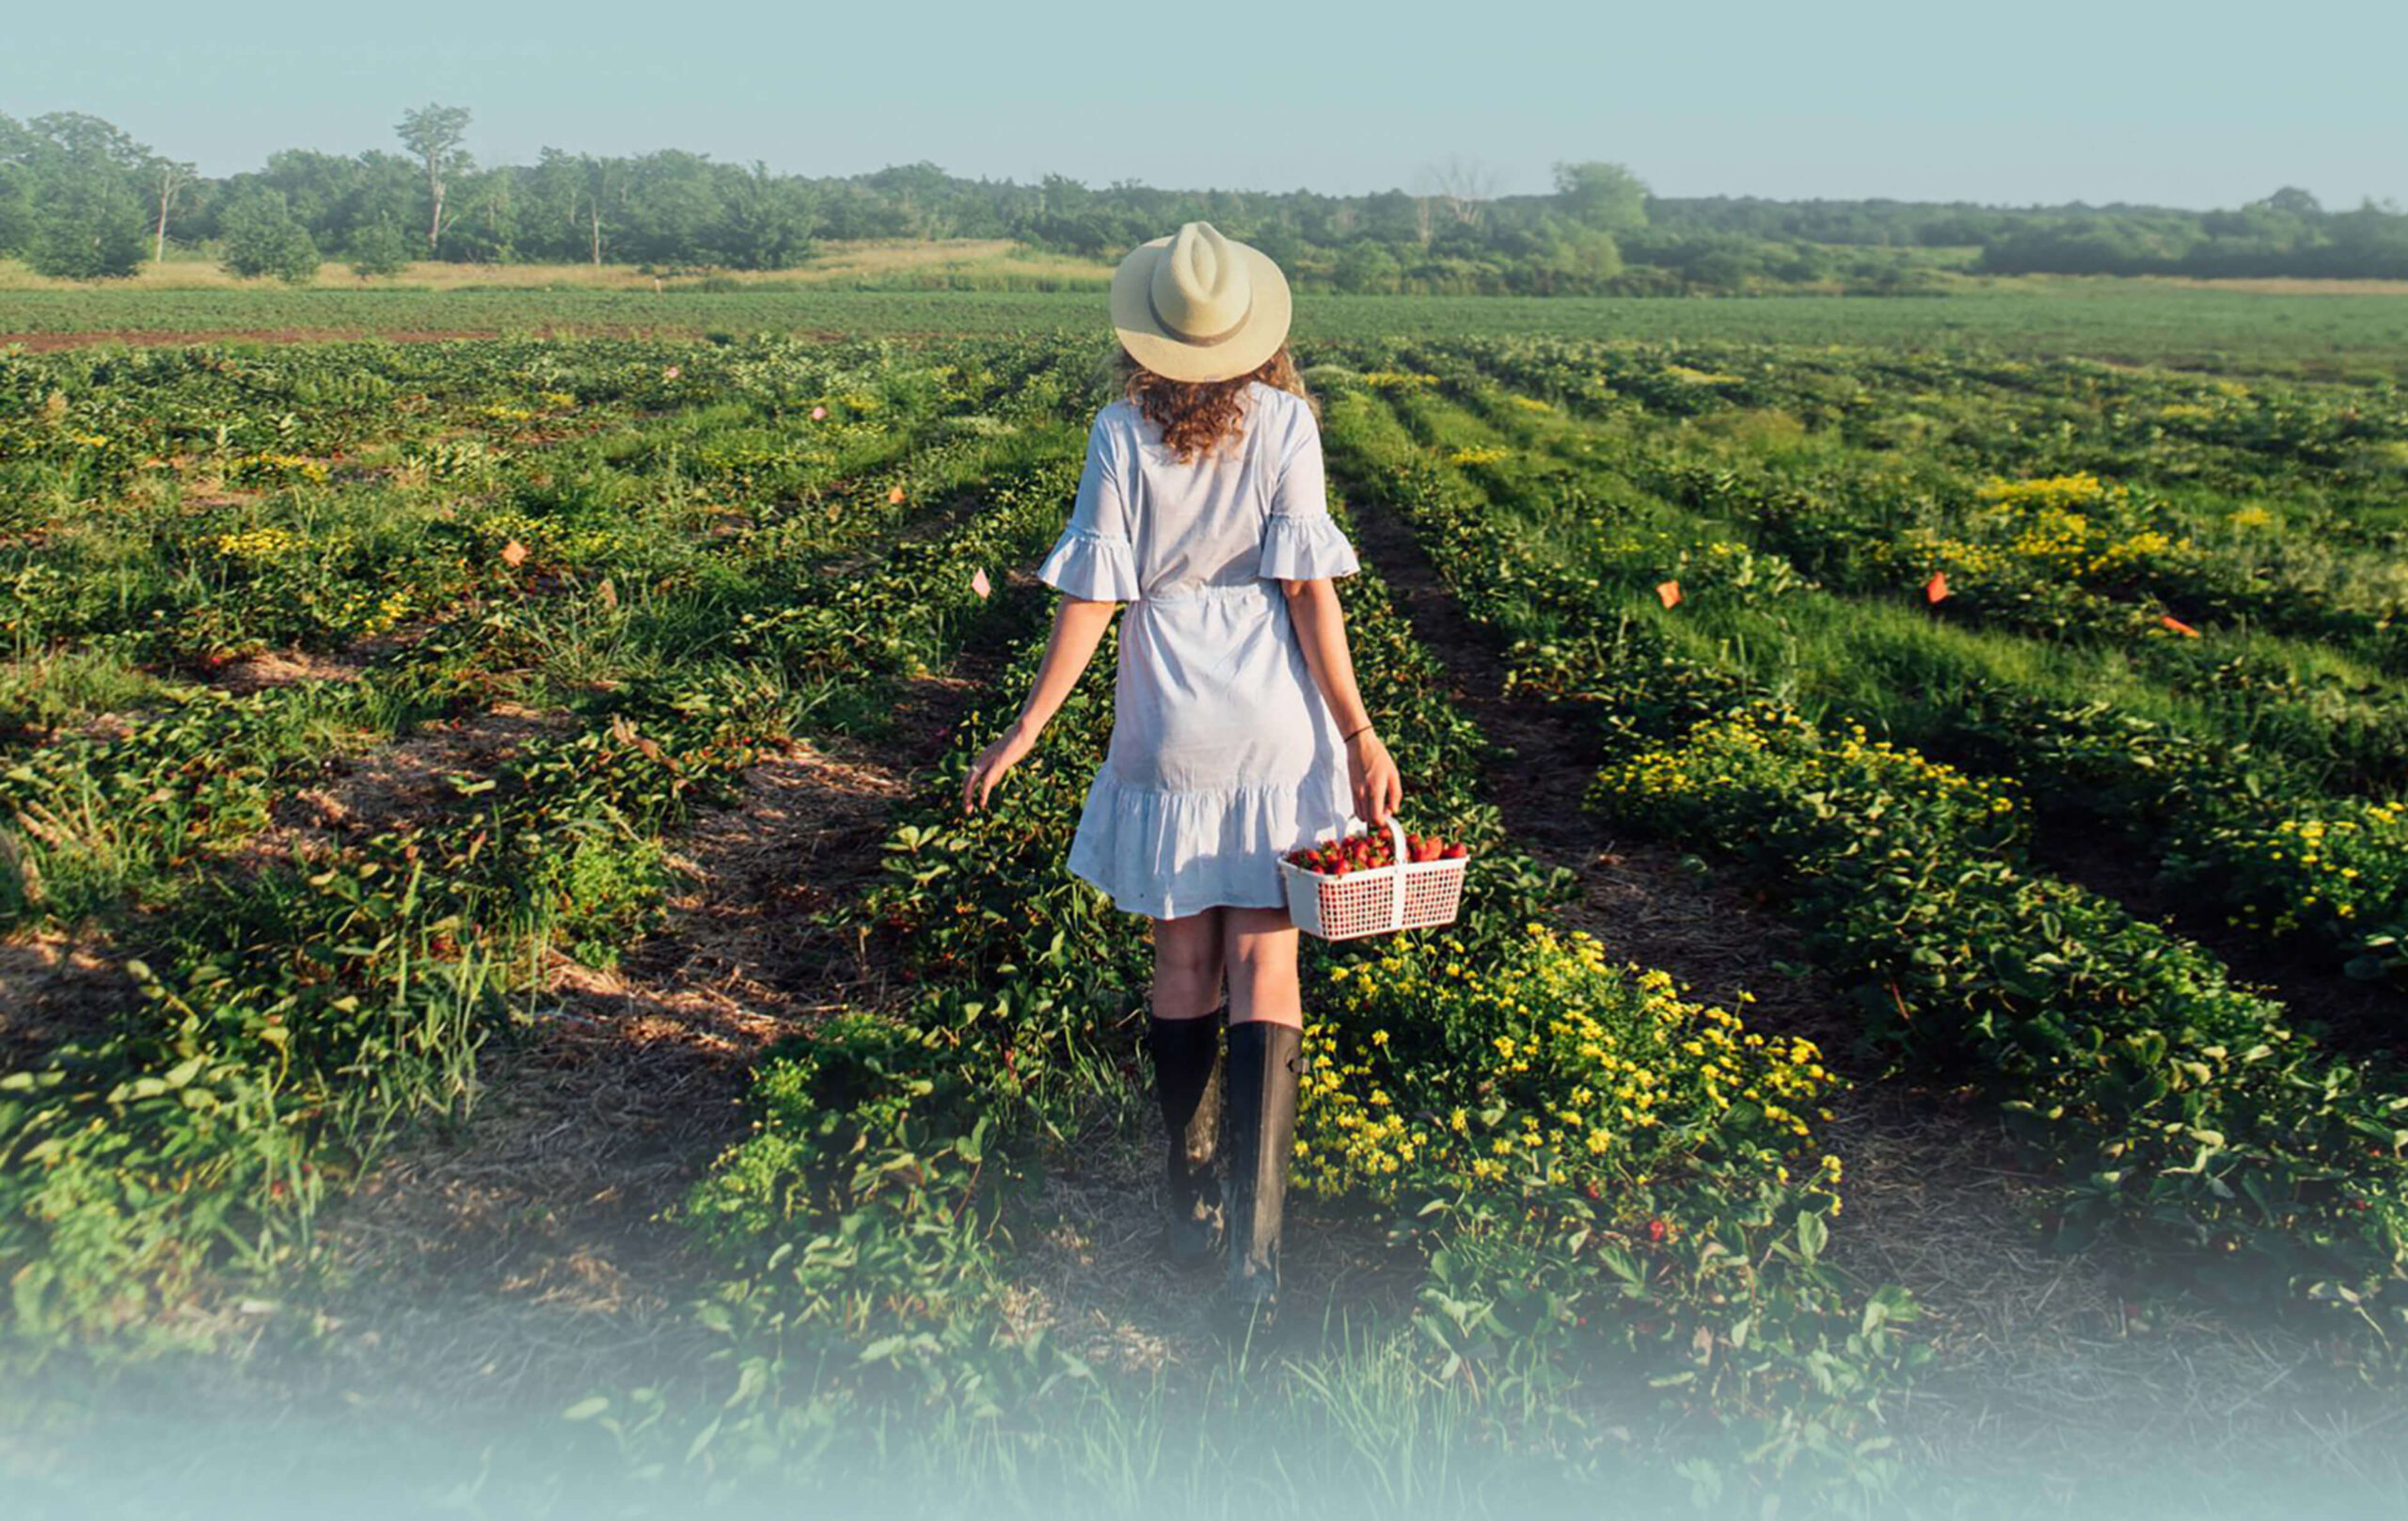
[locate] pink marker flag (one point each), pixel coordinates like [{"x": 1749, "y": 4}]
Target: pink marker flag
[
  {"x": 818, "y": 413},
  {"x": 980, "y": 584}
]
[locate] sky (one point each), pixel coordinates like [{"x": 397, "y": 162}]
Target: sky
[{"x": 2203, "y": 105}]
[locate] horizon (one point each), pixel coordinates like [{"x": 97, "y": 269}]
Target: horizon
[
  {"x": 1797, "y": 109},
  {"x": 528, "y": 159}
]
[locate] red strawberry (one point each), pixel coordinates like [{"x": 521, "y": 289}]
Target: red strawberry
[{"x": 1456, "y": 853}]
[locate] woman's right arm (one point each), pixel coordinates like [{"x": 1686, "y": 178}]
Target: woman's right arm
[
  {"x": 1078, "y": 628},
  {"x": 1321, "y": 630}
]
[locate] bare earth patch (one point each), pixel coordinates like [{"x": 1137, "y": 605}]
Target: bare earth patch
[
  {"x": 55, "y": 988},
  {"x": 255, "y": 673},
  {"x": 519, "y": 1259}
]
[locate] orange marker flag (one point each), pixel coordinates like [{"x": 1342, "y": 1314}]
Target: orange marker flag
[
  {"x": 1667, "y": 592},
  {"x": 1935, "y": 588},
  {"x": 896, "y": 495},
  {"x": 514, "y": 554},
  {"x": 980, "y": 584},
  {"x": 2178, "y": 626}
]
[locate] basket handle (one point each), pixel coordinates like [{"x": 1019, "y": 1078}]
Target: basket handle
[{"x": 1396, "y": 901}]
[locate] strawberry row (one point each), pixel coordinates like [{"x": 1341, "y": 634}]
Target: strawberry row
[
  {"x": 293, "y": 1013},
  {"x": 2172, "y": 1103},
  {"x": 2248, "y": 823}
]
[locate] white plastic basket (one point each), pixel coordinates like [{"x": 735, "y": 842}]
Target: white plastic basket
[{"x": 1373, "y": 900}]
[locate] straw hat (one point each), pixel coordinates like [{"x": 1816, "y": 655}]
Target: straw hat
[{"x": 1198, "y": 306}]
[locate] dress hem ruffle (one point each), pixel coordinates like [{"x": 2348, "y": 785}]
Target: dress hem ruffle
[{"x": 1170, "y": 854}]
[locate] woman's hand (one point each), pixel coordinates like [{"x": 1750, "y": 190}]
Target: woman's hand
[
  {"x": 993, "y": 762},
  {"x": 1378, "y": 786}
]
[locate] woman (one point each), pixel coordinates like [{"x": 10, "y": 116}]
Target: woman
[{"x": 1239, "y": 733}]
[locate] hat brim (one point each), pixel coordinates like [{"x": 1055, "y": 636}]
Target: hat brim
[{"x": 1173, "y": 358}]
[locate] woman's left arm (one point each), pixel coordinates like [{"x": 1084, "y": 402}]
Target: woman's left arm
[
  {"x": 1321, "y": 628},
  {"x": 1078, "y": 628}
]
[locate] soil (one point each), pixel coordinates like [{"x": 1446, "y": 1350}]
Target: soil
[
  {"x": 179, "y": 338},
  {"x": 57, "y": 987},
  {"x": 44, "y": 342}
]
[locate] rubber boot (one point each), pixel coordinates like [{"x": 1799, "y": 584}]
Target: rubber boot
[
  {"x": 1187, "y": 1079},
  {"x": 1265, "y": 1060}
]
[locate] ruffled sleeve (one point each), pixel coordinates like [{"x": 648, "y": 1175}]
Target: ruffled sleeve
[
  {"x": 1094, "y": 558},
  {"x": 1301, "y": 542}
]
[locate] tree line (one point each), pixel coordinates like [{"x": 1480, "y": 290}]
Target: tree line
[{"x": 79, "y": 197}]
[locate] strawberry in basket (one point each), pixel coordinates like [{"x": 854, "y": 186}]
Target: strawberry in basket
[{"x": 1364, "y": 851}]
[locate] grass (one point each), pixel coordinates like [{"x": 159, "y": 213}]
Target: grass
[{"x": 905, "y": 260}]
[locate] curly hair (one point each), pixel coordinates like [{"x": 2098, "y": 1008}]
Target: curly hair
[{"x": 1197, "y": 417}]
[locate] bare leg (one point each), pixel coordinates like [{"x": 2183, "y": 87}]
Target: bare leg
[
  {"x": 1187, "y": 966},
  {"x": 1259, "y": 953}
]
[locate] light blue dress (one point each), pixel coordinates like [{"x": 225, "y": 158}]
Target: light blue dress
[{"x": 1224, "y": 755}]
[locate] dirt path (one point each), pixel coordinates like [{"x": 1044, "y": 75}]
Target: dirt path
[
  {"x": 2043, "y": 1360},
  {"x": 518, "y": 1260}
]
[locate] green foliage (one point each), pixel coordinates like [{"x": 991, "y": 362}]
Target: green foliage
[
  {"x": 88, "y": 228},
  {"x": 1607, "y": 197},
  {"x": 379, "y": 248},
  {"x": 2177, "y": 1106},
  {"x": 590, "y": 584},
  {"x": 302, "y": 995},
  {"x": 264, "y": 238}
]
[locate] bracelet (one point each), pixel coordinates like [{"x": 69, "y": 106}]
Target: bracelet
[{"x": 1349, "y": 738}]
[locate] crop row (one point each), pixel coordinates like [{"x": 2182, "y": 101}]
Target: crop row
[
  {"x": 2252, "y": 824},
  {"x": 292, "y": 1011},
  {"x": 2172, "y": 1102}
]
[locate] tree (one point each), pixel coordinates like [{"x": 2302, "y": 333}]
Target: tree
[
  {"x": 87, "y": 196},
  {"x": 379, "y": 248},
  {"x": 764, "y": 222},
  {"x": 1464, "y": 185},
  {"x": 1365, "y": 266},
  {"x": 1606, "y": 197},
  {"x": 263, "y": 238},
  {"x": 171, "y": 180},
  {"x": 88, "y": 229},
  {"x": 1578, "y": 258},
  {"x": 433, "y": 135}
]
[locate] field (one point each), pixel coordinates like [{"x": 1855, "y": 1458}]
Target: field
[
  {"x": 499, "y": 1011},
  {"x": 2326, "y": 335}
]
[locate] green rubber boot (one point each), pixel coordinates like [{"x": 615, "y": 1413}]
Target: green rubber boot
[
  {"x": 1187, "y": 1079},
  {"x": 1264, "y": 1061}
]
